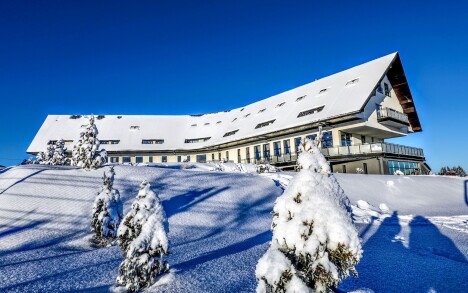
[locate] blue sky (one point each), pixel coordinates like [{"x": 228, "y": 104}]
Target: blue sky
[{"x": 184, "y": 57}]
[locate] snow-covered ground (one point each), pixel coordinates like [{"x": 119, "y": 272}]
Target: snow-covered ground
[{"x": 414, "y": 228}]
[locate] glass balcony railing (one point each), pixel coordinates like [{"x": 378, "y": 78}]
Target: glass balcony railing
[
  {"x": 385, "y": 113},
  {"x": 352, "y": 150}
]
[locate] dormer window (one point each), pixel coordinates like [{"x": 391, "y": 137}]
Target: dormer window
[
  {"x": 263, "y": 124},
  {"x": 111, "y": 141},
  {"x": 351, "y": 82},
  {"x": 280, "y": 105},
  {"x": 311, "y": 111},
  {"x": 134, "y": 127},
  {"x": 231, "y": 133},
  {"x": 300, "y": 98},
  {"x": 195, "y": 140}
]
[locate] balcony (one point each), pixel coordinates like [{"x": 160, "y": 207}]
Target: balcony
[{"x": 393, "y": 118}]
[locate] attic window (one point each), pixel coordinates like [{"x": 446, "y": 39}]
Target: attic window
[
  {"x": 234, "y": 119},
  {"x": 300, "y": 98},
  {"x": 351, "y": 82},
  {"x": 245, "y": 116},
  {"x": 207, "y": 123},
  {"x": 311, "y": 111},
  {"x": 52, "y": 142},
  {"x": 230, "y": 133},
  {"x": 219, "y": 122},
  {"x": 75, "y": 116},
  {"x": 262, "y": 110},
  {"x": 152, "y": 141},
  {"x": 195, "y": 140},
  {"x": 323, "y": 91},
  {"x": 263, "y": 124},
  {"x": 112, "y": 141},
  {"x": 134, "y": 127},
  {"x": 193, "y": 125},
  {"x": 280, "y": 105}
]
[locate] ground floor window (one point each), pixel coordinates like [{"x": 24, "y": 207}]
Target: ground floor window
[
  {"x": 257, "y": 152},
  {"x": 238, "y": 156},
  {"x": 266, "y": 151},
  {"x": 139, "y": 159},
  {"x": 327, "y": 139},
  {"x": 126, "y": 159},
  {"x": 247, "y": 154},
  {"x": 364, "y": 165},
  {"x": 164, "y": 159},
  {"x": 408, "y": 168},
  {"x": 150, "y": 159},
  {"x": 212, "y": 157},
  {"x": 297, "y": 143},
  {"x": 345, "y": 139},
  {"x": 201, "y": 158},
  {"x": 344, "y": 168},
  {"x": 286, "y": 147},
  {"x": 179, "y": 159},
  {"x": 114, "y": 159},
  {"x": 277, "y": 148}
]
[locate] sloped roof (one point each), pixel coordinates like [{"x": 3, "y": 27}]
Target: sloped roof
[{"x": 337, "y": 94}]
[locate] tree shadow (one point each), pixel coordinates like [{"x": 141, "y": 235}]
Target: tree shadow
[{"x": 22, "y": 179}]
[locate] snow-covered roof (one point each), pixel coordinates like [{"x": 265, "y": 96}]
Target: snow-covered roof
[{"x": 333, "y": 96}]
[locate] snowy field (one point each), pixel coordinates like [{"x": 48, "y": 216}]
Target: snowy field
[{"x": 414, "y": 228}]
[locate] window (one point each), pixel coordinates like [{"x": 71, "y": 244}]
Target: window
[
  {"x": 266, "y": 151},
  {"x": 119, "y": 117},
  {"x": 344, "y": 168},
  {"x": 300, "y": 98},
  {"x": 257, "y": 152},
  {"x": 247, "y": 154},
  {"x": 263, "y": 124},
  {"x": 231, "y": 133},
  {"x": 311, "y": 137},
  {"x": 152, "y": 141},
  {"x": 277, "y": 148},
  {"x": 126, "y": 159},
  {"x": 53, "y": 142},
  {"x": 195, "y": 140},
  {"x": 179, "y": 159},
  {"x": 164, "y": 159},
  {"x": 219, "y": 122},
  {"x": 201, "y": 158},
  {"x": 387, "y": 89},
  {"x": 114, "y": 159},
  {"x": 187, "y": 159},
  {"x": 327, "y": 139},
  {"x": 297, "y": 143},
  {"x": 227, "y": 155},
  {"x": 242, "y": 109},
  {"x": 150, "y": 159},
  {"x": 379, "y": 88},
  {"x": 110, "y": 141},
  {"x": 311, "y": 111},
  {"x": 207, "y": 123},
  {"x": 234, "y": 119},
  {"x": 280, "y": 105},
  {"x": 238, "y": 156},
  {"x": 363, "y": 139},
  {"x": 345, "y": 139},
  {"x": 364, "y": 167},
  {"x": 75, "y": 116},
  {"x": 139, "y": 159},
  {"x": 286, "y": 147},
  {"x": 245, "y": 116},
  {"x": 219, "y": 156},
  {"x": 193, "y": 125},
  {"x": 322, "y": 91},
  {"x": 262, "y": 110},
  {"x": 408, "y": 168},
  {"x": 351, "y": 82},
  {"x": 134, "y": 127}
]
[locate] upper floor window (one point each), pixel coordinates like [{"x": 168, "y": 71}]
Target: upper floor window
[
  {"x": 351, "y": 82},
  {"x": 387, "y": 89},
  {"x": 311, "y": 111},
  {"x": 263, "y": 124},
  {"x": 112, "y": 141},
  {"x": 152, "y": 141}
]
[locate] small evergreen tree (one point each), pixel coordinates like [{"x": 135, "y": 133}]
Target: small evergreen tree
[
  {"x": 143, "y": 239},
  {"x": 315, "y": 244},
  {"x": 84, "y": 152},
  {"x": 59, "y": 157},
  {"x": 107, "y": 211}
]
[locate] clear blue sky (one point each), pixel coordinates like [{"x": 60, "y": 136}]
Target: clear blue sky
[{"x": 183, "y": 57}]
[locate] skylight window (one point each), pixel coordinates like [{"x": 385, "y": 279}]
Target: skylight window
[
  {"x": 263, "y": 124},
  {"x": 234, "y": 119},
  {"x": 207, "y": 123},
  {"x": 219, "y": 122},
  {"x": 322, "y": 91},
  {"x": 134, "y": 127},
  {"x": 75, "y": 116},
  {"x": 311, "y": 111},
  {"x": 300, "y": 98},
  {"x": 152, "y": 141},
  {"x": 351, "y": 82},
  {"x": 242, "y": 109},
  {"x": 262, "y": 110},
  {"x": 280, "y": 105},
  {"x": 193, "y": 125},
  {"x": 245, "y": 116},
  {"x": 195, "y": 140},
  {"x": 231, "y": 133}
]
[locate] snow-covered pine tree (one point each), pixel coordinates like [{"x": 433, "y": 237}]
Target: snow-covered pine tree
[
  {"x": 315, "y": 244},
  {"x": 59, "y": 157},
  {"x": 143, "y": 239},
  {"x": 84, "y": 152},
  {"x": 107, "y": 211}
]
